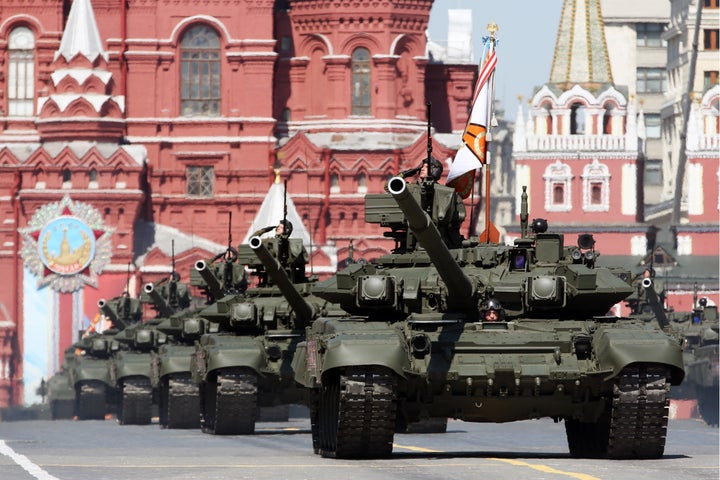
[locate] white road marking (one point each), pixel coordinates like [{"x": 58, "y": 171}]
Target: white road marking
[{"x": 25, "y": 463}]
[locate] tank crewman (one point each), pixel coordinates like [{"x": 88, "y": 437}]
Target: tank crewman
[
  {"x": 441, "y": 203},
  {"x": 492, "y": 311}
]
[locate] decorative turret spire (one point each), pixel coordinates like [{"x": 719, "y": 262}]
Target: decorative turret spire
[
  {"x": 81, "y": 34},
  {"x": 581, "y": 54},
  {"x": 81, "y": 105}
]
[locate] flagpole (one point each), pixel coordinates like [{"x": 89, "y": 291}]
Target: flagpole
[{"x": 492, "y": 28}]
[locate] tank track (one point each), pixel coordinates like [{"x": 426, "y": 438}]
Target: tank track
[
  {"x": 314, "y": 426},
  {"x": 230, "y": 406},
  {"x": 635, "y": 425},
  {"x": 61, "y": 409},
  {"x": 90, "y": 400},
  {"x": 136, "y": 402},
  {"x": 180, "y": 402},
  {"x": 707, "y": 398},
  {"x": 357, "y": 414}
]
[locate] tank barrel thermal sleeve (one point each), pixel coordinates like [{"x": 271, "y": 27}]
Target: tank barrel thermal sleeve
[
  {"x": 654, "y": 300},
  {"x": 160, "y": 303},
  {"x": 214, "y": 286}
]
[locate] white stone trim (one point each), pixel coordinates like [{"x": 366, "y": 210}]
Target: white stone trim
[
  {"x": 558, "y": 173},
  {"x": 593, "y": 173}
]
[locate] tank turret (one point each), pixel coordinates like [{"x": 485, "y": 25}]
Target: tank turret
[
  {"x": 460, "y": 286},
  {"x": 122, "y": 311},
  {"x": 160, "y": 304},
  {"x": 304, "y": 311}
]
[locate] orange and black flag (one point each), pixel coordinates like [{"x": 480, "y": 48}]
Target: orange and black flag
[{"x": 471, "y": 154}]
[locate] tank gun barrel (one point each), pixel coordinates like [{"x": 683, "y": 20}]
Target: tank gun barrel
[
  {"x": 160, "y": 303},
  {"x": 214, "y": 286},
  {"x": 654, "y": 301},
  {"x": 460, "y": 286},
  {"x": 111, "y": 314},
  {"x": 304, "y": 311}
]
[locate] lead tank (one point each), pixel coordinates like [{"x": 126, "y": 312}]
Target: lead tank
[{"x": 415, "y": 343}]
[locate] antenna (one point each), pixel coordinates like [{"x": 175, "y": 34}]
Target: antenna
[
  {"x": 229, "y": 230},
  {"x": 429, "y": 147},
  {"x": 284, "y": 201},
  {"x": 172, "y": 256},
  {"x": 283, "y": 245},
  {"x": 127, "y": 280}
]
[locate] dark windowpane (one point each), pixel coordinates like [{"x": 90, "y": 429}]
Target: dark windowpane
[
  {"x": 558, "y": 194},
  {"x": 361, "y": 82},
  {"x": 596, "y": 193},
  {"x": 650, "y": 34},
  {"x": 200, "y": 181},
  {"x": 200, "y": 69},
  {"x": 651, "y": 80},
  {"x": 653, "y": 172}
]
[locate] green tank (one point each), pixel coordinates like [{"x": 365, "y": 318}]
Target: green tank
[
  {"x": 131, "y": 365},
  {"x": 245, "y": 366},
  {"x": 418, "y": 341},
  {"x": 60, "y": 392},
  {"x": 178, "y": 395},
  {"x": 699, "y": 332},
  {"x": 95, "y": 392}
]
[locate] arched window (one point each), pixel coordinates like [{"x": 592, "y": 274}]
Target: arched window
[
  {"x": 200, "y": 72},
  {"x": 66, "y": 176},
  {"x": 362, "y": 183},
  {"x": 334, "y": 183},
  {"x": 608, "y": 120},
  {"x": 361, "y": 81},
  {"x": 577, "y": 119},
  {"x": 596, "y": 187},
  {"x": 92, "y": 178},
  {"x": 557, "y": 187},
  {"x": 21, "y": 72}
]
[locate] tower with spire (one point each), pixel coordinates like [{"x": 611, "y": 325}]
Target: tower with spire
[
  {"x": 577, "y": 150},
  {"x": 81, "y": 104}
]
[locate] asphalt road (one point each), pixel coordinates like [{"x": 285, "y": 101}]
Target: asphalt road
[{"x": 537, "y": 449}]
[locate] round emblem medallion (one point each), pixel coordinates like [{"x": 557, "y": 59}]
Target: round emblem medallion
[{"x": 66, "y": 245}]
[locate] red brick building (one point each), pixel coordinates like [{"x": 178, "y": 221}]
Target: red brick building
[{"x": 131, "y": 129}]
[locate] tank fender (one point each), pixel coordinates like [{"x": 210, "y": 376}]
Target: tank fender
[
  {"x": 174, "y": 362},
  {"x": 97, "y": 370},
  {"x": 245, "y": 353},
  {"x": 386, "y": 350},
  {"x": 616, "y": 348},
  {"x": 132, "y": 366}
]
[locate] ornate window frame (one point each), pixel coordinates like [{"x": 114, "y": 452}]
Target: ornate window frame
[
  {"x": 593, "y": 174},
  {"x": 558, "y": 173}
]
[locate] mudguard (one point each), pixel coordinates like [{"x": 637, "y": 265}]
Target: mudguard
[
  {"x": 351, "y": 348},
  {"x": 617, "y": 347},
  {"x": 174, "y": 359},
  {"x": 131, "y": 364},
  {"x": 91, "y": 369},
  {"x": 234, "y": 351}
]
